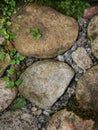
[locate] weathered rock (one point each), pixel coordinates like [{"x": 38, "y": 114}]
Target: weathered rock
[
  {"x": 94, "y": 46},
  {"x": 58, "y": 31},
  {"x": 93, "y": 35},
  {"x": 17, "y": 120},
  {"x": 6, "y": 95},
  {"x": 45, "y": 81},
  {"x": 90, "y": 12},
  {"x": 93, "y": 28},
  {"x": 4, "y": 63},
  {"x": 87, "y": 89},
  {"x": 64, "y": 120},
  {"x": 81, "y": 58}
]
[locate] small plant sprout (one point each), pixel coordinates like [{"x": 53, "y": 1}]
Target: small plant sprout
[
  {"x": 29, "y": 30},
  {"x": 2, "y": 56},
  {"x": 17, "y": 28},
  {"x": 19, "y": 103},
  {"x": 11, "y": 71},
  {"x": 35, "y": 33}
]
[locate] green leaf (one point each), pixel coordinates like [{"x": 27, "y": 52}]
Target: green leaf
[
  {"x": 17, "y": 61},
  {"x": 13, "y": 52},
  {"x": 6, "y": 78},
  {"x": 13, "y": 36},
  {"x": 36, "y": 30},
  {"x": 2, "y": 56},
  {"x": 18, "y": 82},
  {"x": 10, "y": 84},
  {"x": 39, "y": 35},
  {"x": 29, "y": 30},
  {"x": 21, "y": 58},
  {"x": 20, "y": 102},
  {"x": 11, "y": 71},
  {"x": 17, "y": 28},
  {"x": 9, "y": 23},
  {"x": 13, "y": 62},
  {"x": 36, "y": 33}
]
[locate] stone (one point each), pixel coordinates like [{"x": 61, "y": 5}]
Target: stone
[
  {"x": 90, "y": 12},
  {"x": 45, "y": 81},
  {"x": 4, "y": 63},
  {"x": 66, "y": 120},
  {"x": 92, "y": 30},
  {"x": 81, "y": 58},
  {"x": 93, "y": 35},
  {"x": 87, "y": 90},
  {"x": 17, "y": 120},
  {"x": 58, "y": 32},
  {"x": 6, "y": 95},
  {"x": 94, "y": 47}
]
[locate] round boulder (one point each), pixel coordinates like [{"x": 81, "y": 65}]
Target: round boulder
[
  {"x": 43, "y": 32},
  {"x": 93, "y": 35},
  {"x": 87, "y": 89},
  {"x": 45, "y": 81}
]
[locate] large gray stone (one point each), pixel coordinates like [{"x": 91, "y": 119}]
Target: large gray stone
[
  {"x": 6, "y": 95},
  {"x": 58, "y": 31},
  {"x": 45, "y": 81}
]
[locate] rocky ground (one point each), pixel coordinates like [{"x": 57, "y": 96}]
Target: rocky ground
[{"x": 60, "y": 72}]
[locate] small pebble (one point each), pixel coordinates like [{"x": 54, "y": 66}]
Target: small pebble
[
  {"x": 34, "y": 109},
  {"x": 46, "y": 113},
  {"x": 38, "y": 112},
  {"x": 60, "y": 58}
]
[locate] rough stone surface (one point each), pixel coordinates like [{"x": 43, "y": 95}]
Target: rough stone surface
[
  {"x": 93, "y": 35},
  {"x": 94, "y": 46},
  {"x": 58, "y": 31},
  {"x": 4, "y": 63},
  {"x": 64, "y": 120},
  {"x": 81, "y": 58},
  {"x": 87, "y": 89},
  {"x": 90, "y": 12},
  {"x": 45, "y": 81},
  {"x": 93, "y": 28},
  {"x": 17, "y": 120},
  {"x": 6, "y": 95}
]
